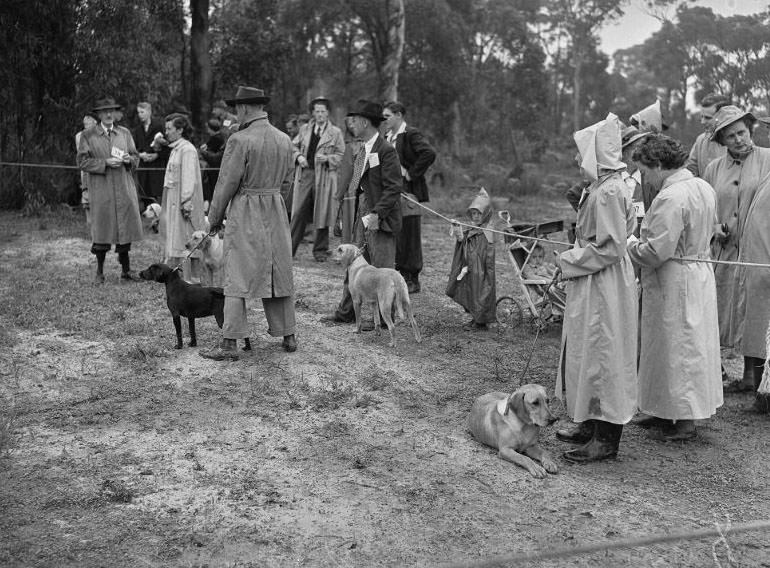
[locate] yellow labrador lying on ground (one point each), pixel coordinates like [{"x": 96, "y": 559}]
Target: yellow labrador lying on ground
[
  {"x": 512, "y": 424},
  {"x": 382, "y": 288},
  {"x": 212, "y": 253}
]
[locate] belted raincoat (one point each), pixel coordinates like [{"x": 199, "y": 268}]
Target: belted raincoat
[{"x": 256, "y": 164}]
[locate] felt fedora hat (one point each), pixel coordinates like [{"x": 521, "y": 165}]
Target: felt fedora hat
[
  {"x": 107, "y": 103},
  {"x": 726, "y": 116},
  {"x": 368, "y": 109},
  {"x": 629, "y": 135},
  {"x": 319, "y": 100},
  {"x": 248, "y": 95}
]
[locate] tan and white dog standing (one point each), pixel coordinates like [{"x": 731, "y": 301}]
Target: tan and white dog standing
[
  {"x": 382, "y": 288},
  {"x": 511, "y": 424},
  {"x": 212, "y": 254}
]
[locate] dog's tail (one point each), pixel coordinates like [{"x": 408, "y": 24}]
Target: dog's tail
[
  {"x": 404, "y": 304},
  {"x": 402, "y": 296}
]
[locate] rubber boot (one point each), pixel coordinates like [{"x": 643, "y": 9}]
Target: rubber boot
[
  {"x": 100, "y": 257},
  {"x": 580, "y": 433},
  {"x": 681, "y": 431},
  {"x": 226, "y": 351},
  {"x": 604, "y": 445}
]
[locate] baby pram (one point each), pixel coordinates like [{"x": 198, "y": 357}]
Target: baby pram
[{"x": 538, "y": 299}]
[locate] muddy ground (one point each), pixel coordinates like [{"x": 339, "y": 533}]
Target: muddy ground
[{"x": 118, "y": 450}]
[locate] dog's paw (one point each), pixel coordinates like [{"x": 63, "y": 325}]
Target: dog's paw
[
  {"x": 550, "y": 465},
  {"x": 536, "y": 471}
]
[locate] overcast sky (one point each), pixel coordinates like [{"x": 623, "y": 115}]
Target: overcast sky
[{"x": 636, "y": 26}]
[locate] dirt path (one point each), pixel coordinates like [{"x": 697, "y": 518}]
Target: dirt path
[{"x": 126, "y": 452}]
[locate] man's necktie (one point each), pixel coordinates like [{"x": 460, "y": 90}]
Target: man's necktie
[{"x": 358, "y": 169}]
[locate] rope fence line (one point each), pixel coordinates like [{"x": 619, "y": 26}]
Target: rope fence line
[
  {"x": 562, "y": 243},
  {"x": 67, "y": 167},
  {"x": 434, "y": 212},
  {"x": 719, "y": 531}
]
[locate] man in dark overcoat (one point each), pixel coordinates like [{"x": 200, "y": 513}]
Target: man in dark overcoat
[
  {"x": 152, "y": 161},
  {"x": 377, "y": 184},
  {"x": 415, "y": 155}
]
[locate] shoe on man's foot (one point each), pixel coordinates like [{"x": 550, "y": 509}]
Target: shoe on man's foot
[
  {"x": 289, "y": 343},
  {"x": 226, "y": 351},
  {"x": 130, "y": 276},
  {"x": 333, "y": 319}
]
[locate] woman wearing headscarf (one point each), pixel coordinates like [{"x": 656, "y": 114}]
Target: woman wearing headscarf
[
  {"x": 679, "y": 371},
  {"x": 598, "y": 366},
  {"x": 752, "y": 302},
  {"x": 735, "y": 177},
  {"x": 182, "y": 208}
]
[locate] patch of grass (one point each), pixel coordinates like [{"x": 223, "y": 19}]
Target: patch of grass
[
  {"x": 116, "y": 491},
  {"x": 333, "y": 429},
  {"x": 332, "y": 394},
  {"x": 374, "y": 379}
]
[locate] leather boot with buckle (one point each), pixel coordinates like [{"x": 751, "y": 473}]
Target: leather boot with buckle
[
  {"x": 226, "y": 351},
  {"x": 580, "y": 433},
  {"x": 604, "y": 445}
]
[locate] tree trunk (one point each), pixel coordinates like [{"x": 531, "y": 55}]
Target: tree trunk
[
  {"x": 395, "y": 43},
  {"x": 577, "y": 84},
  {"x": 200, "y": 62}
]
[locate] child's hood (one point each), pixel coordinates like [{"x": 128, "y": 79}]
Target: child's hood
[{"x": 483, "y": 203}]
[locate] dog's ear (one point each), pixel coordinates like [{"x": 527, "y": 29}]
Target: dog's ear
[{"x": 517, "y": 405}]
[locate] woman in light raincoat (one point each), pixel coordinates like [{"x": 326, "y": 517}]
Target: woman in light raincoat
[
  {"x": 735, "y": 177},
  {"x": 598, "y": 367},
  {"x": 182, "y": 207},
  {"x": 679, "y": 370}
]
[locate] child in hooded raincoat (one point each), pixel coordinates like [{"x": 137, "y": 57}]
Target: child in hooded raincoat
[{"x": 472, "y": 276}]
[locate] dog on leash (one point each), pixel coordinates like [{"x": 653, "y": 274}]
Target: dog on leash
[
  {"x": 511, "y": 424},
  {"x": 188, "y": 300},
  {"x": 212, "y": 253},
  {"x": 382, "y": 288}
]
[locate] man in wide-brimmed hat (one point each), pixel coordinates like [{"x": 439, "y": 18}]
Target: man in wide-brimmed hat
[
  {"x": 108, "y": 154},
  {"x": 318, "y": 153},
  {"x": 256, "y": 164},
  {"x": 735, "y": 177},
  {"x": 377, "y": 183},
  {"x": 704, "y": 150}
]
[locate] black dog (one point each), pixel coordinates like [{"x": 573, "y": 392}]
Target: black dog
[{"x": 188, "y": 300}]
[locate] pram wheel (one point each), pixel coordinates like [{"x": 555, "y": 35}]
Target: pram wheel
[{"x": 509, "y": 314}]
